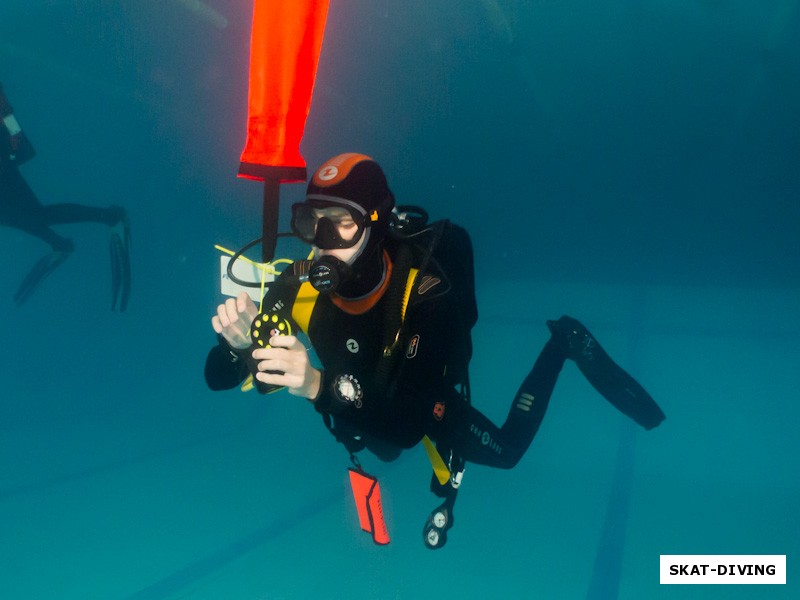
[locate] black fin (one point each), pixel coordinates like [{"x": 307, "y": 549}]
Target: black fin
[
  {"x": 119, "y": 250},
  {"x": 38, "y": 273},
  {"x": 606, "y": 376}
]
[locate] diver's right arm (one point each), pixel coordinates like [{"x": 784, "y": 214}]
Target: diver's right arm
[
  {"x": 225, "y": 365},
  {"x": 233, "y": 320}
]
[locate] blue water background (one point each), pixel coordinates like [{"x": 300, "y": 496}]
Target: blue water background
[{"x": 631, "y": 162}]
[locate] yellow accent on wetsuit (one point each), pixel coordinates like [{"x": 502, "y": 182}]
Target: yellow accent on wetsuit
[
  {"x": 304, "y": 305},
  {"x": 248, "y": 384},
  {"x": 439, "y": 468}
]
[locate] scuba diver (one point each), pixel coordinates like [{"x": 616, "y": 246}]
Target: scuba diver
[
  {"x": 21, "y": 209},
  {"x": 390, "y": 319}
]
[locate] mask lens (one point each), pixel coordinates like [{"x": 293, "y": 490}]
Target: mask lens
[
  {"x": 329, "y": 227},
  {"x": 304, "y": 222}
]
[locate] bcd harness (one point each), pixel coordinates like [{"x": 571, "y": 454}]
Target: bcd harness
[{"x": 366, "y": 489}]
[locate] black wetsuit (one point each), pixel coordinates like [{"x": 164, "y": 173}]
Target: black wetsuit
[
  {"x": 19, "y": 206},
  {"x": 421, "y": 396}
]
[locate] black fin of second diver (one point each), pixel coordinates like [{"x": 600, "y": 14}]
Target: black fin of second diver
[
  {"x": 43, "y": 267},
  {"x": 119, "y": 250},
  {"x": 606, "y": 376}
]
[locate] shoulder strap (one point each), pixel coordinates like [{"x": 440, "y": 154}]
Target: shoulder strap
[
  {"x": 393, "y": 341},
  {"x": 304, "y": 305},
  {"x": 396, "y": 303}
]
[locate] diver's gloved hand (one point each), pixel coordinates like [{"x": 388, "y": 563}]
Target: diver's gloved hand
[
  {"x": 233, "y": 320},
  {"x": 287, "y": 361}
]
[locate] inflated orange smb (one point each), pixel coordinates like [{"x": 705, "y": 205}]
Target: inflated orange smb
[{"x": 284, "y": 53}]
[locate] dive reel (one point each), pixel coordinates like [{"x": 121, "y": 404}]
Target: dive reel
[{"x": 264, "y": 326}]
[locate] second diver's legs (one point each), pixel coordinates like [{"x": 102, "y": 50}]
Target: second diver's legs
[
  {"x": 118, "y": 245},
  {"x": 57, "y": 242},
  {"x": 22, "y": 210},
  {"x": 119, "y": 241}
]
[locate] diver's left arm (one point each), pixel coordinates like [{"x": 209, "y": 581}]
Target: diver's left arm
[
  {"x": 434, "y": 360},
  {"x": 225, "y": 367}
]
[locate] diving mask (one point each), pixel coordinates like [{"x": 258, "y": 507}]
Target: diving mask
[{"x": 330, "y": 223}]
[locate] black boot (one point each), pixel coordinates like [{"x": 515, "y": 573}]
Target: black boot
[{"x": 608, "y": 378}]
